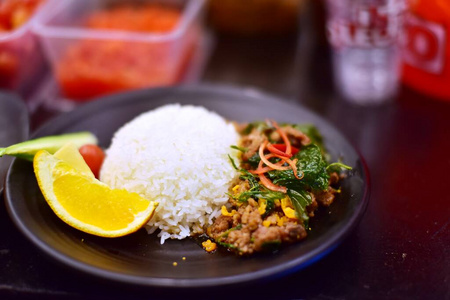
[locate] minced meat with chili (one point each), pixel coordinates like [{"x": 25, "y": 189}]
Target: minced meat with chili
[{"x": 284, "y": 178}]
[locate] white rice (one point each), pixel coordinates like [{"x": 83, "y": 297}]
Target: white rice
[{"x": 178, "y": 156}]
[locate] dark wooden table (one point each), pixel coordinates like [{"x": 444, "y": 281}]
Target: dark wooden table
[{"x": 400, "y": 250}]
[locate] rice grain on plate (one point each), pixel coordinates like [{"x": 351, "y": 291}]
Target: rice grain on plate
[{"x": 178, "y": 156}]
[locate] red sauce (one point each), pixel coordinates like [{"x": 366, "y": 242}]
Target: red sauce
[
  {"x": 149, "y": 18},
  {"x": 96, "y": 67},
  {"x": 14, "y": 13},
  {"x": 15, "y": 52}
]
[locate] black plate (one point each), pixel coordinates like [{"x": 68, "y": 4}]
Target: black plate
[
  {"x": 139, "y": 258},
  {"x": 13, "y": 127}
]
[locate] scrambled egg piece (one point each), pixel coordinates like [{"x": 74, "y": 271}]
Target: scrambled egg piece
[
  {"x": 286, "y": 206},
  {"x": 225, "y": 212},
  {"x": 209, "y": 246}
]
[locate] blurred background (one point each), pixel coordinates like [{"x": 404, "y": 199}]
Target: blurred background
[{"x": 57, "y": 54}]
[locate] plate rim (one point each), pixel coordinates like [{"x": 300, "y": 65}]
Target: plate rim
[{"x": 283, "y": 269}]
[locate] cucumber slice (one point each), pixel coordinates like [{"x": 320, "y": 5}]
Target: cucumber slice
[{"x": 28, "y": 149}]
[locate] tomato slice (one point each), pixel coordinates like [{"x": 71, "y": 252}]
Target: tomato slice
[{"x": 93, "y": 156}]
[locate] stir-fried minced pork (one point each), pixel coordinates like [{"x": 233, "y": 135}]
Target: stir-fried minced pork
[
  {"x": 252, "y": 142},
  {"x": 267, "y": 207},
  {"x": 246, "y": 230}
]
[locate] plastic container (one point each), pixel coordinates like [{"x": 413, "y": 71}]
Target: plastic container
[
  {"x": 21, "y": 60},
  {"x": 89, "y": 62}
]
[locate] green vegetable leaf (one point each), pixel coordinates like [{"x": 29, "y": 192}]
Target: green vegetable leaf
[
  {"x": 337, "y": 167},
  {"x": 313, "y": 166},
  {"x": 27, "y": 150},
  {"x": 271, "y": 195},
  {"x": 254, "y": 160},
  {"x": 270, "y": 205},
  {"x": 242, "y": 149},
  {"x": 246, "y": 175},
  {"x": 300, "y": 199},
  {"x": 227, "y": 232},
  {"x": 259, "y": 125},
  {"x": 260, "y": 192},
  {"x": 233, "y": 163},
  {"x": 256, "y": 190},
  {"x": 227, "y": 245}
]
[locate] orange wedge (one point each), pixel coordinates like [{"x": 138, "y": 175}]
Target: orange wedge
[
  {"x": 69, "y": 153},
  {"x": 84, "y": 202}
]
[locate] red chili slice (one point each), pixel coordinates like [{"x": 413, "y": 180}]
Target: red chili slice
[
  {"x": 261, "y": 170},
  {"x": 265, "y": 158},
  {"x": 282, "y": 147},
  {"x": 269, "y": 184},
  {"x": 284, "y": 137},
  {"x": 277, "y": 151}
]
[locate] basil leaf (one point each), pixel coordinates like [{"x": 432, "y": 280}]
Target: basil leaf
[
  {"x": 254, "y": 160},
  {"x": 241, "y": 149},
  {"x": 233, "y": 163},
  {"x": 337, "y": 167},
  {"x": 313, "y": 166},
  {"x": 300, "y": 199}
]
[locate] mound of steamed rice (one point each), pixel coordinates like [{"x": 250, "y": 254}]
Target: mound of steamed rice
[{"x": 178, "y": 156}]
